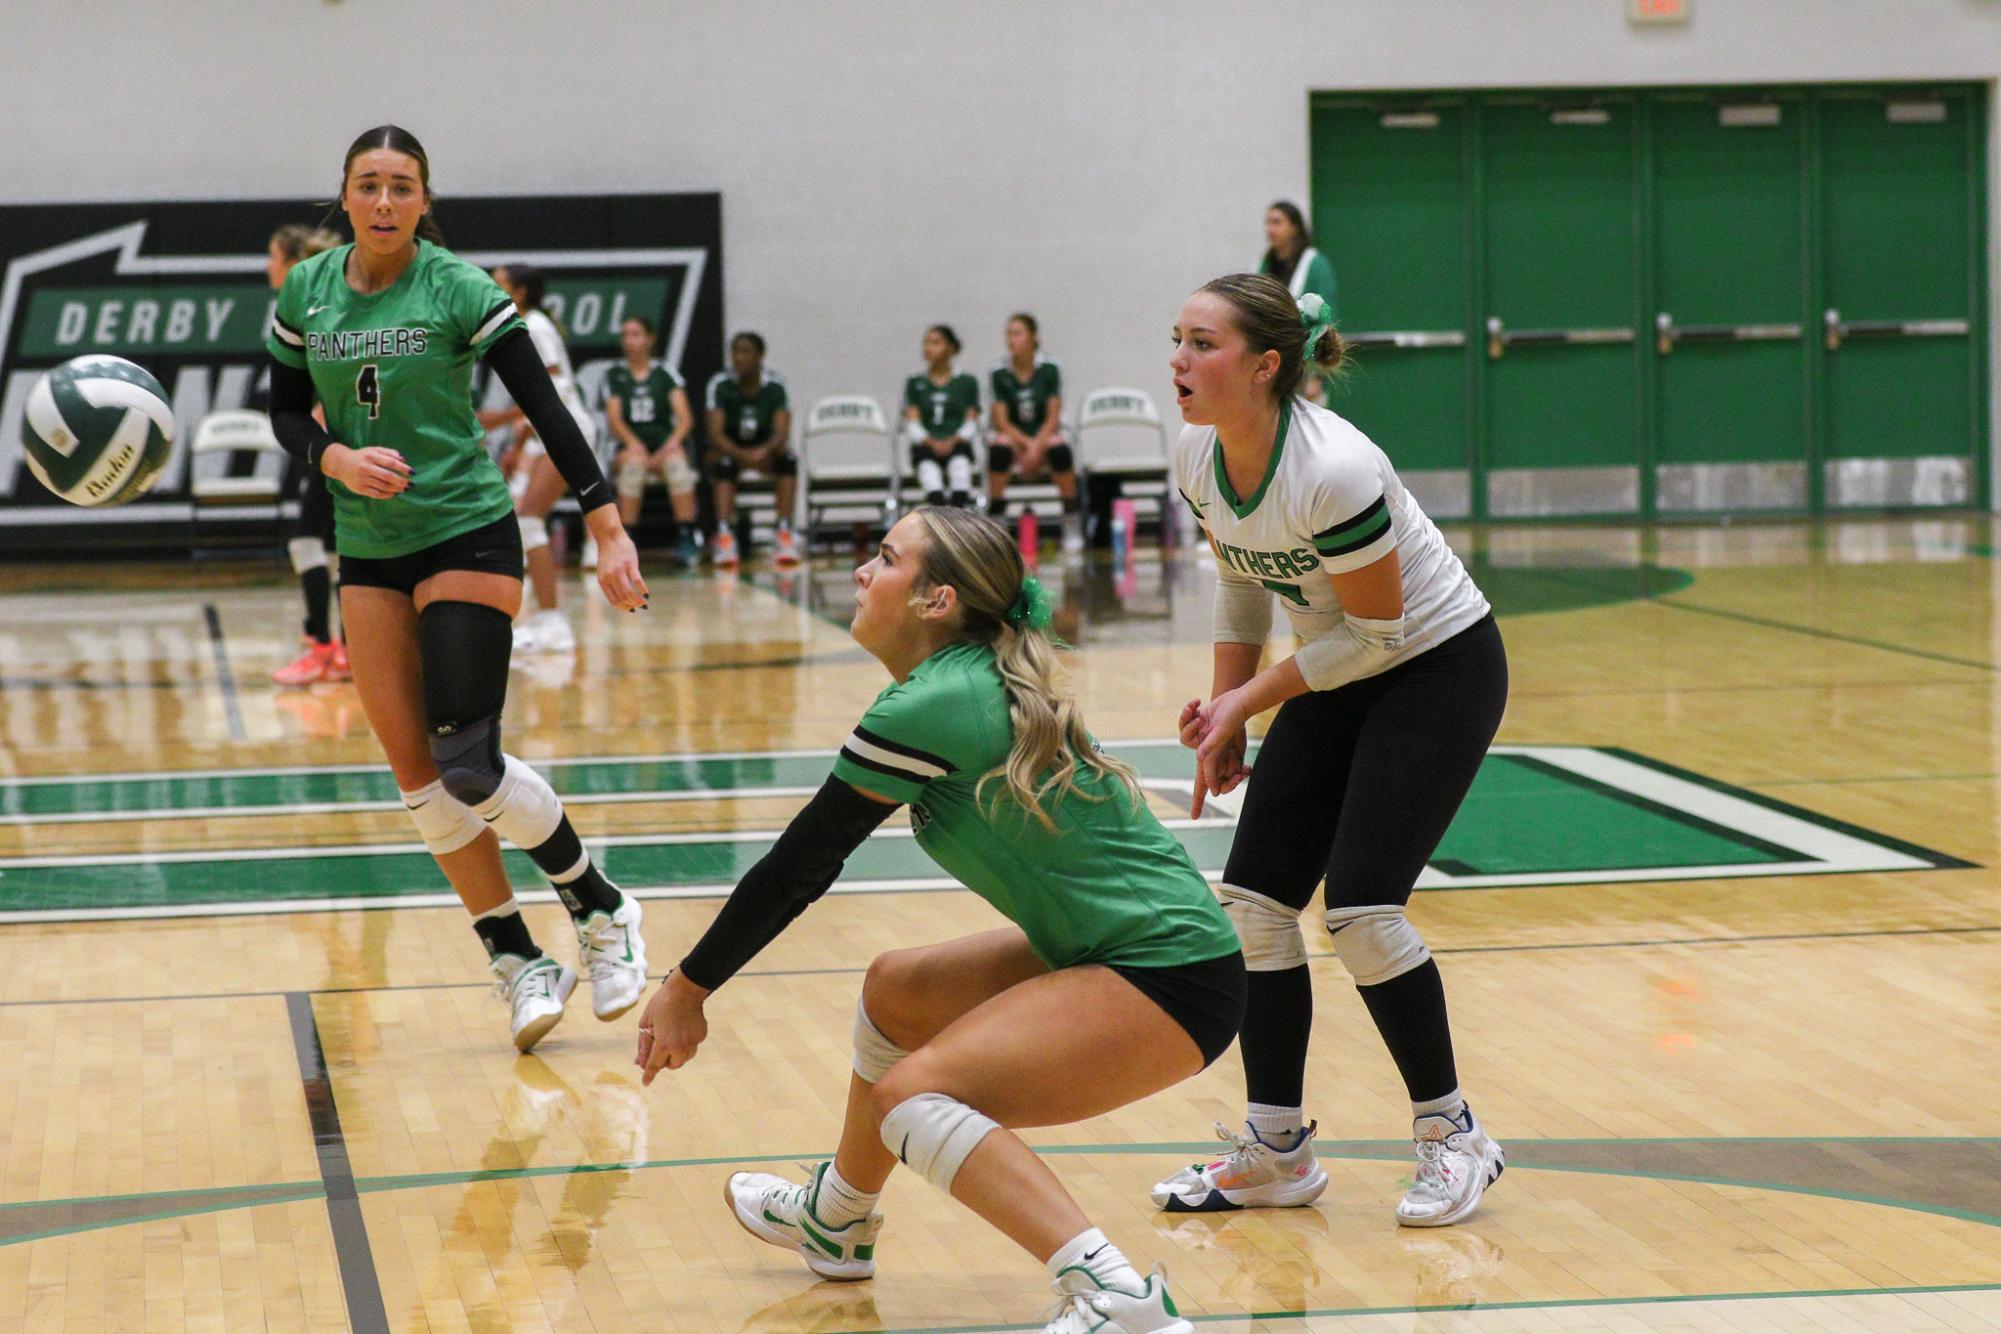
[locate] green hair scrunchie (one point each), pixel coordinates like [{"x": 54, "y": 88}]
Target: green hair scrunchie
[
  {"x": 1317, "y": 317},
  {"x": 1031, "y": 607}
]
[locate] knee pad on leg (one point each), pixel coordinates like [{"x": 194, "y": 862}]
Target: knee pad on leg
[
  {"x": 631, "y": 480},
  {"x": 934, "y": 1135},
  {"x": 930, "y": 476},
  {"x": 534, "y": 532},
  {"x": 1267, "y": 928},
  {"x": 1376, "y": 943},
  {"x": 523, "y": 809},
  {"x": 307, "y": 553},
  {"x": 959, "y": 471},
  {"x": 678, "y": 472},
  {"x": 1000, "y": 458},
  {"x": 1061, "y": 459},
  {"x": 785, "y": 465},
  {"x": 443, "y": 822},
  {"x": 874, "y": 1053}
]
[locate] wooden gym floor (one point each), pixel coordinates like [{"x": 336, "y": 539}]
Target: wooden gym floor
[{"x": 1718, "y": 926}]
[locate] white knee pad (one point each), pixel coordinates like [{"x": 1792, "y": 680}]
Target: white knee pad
[
  {"x": 631, "y": 480},
  {"x": 307, "y": 553},
  {"x": 1376, "y": 943},
  {"x": 1268, "y": 929},
  {"x": 524, "y": 809},
  {"x": 445, "y": 824},
  {"x": 935, "y": 1135},
  {"x": 679, "y": 473},
  {"x": 930, "y": 477},
  {"x": 534, "y": 532},
  {"x": 959, "y": 473},
  {"x": 874, "y": 1053}
]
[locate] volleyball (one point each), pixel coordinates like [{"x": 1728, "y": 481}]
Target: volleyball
[{"x": 100, "y": 429}]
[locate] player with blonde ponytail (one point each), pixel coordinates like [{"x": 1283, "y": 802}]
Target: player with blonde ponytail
[{"x": 1119, "y": 977}]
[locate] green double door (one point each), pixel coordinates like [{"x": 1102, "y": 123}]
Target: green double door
[{"x": 1659, "y": 303}]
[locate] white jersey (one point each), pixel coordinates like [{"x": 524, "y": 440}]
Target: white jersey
[
  {"x": 550, "y": 348},
  {"x": 1329, "y": 503}
]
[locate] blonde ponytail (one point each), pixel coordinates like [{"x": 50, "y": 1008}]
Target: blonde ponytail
[{"x": 974, "y": 555}]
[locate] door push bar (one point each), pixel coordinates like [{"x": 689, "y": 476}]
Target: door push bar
[
  {"x": 1839, "y": 330},
  {"x": 1667, "y": 333},
  {"x": 1500, "y": 338}
]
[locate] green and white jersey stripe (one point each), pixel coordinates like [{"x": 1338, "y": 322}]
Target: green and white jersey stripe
[{"x": 1329, "y": 503}]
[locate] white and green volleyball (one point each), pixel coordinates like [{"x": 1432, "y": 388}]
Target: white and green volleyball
[{"x": 100, "y": 429}]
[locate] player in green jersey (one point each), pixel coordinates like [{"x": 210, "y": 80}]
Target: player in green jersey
[
  {"x": 383, "y": 333},
  {"x": 1027, "y": 436},
  {"x": 1095, "y": 997},
  {"x": 750, "y": 428},
  {"x": 1291, "y": 258},
  {"x": 646, "y": 406},
  {"x": 941, "y": 419}
]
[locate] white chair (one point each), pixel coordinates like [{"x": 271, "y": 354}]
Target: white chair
[
  {"x": 1132, "y": 461},
  {"x": 848, "y": 461},
  {"x": 228, "y": 433}
]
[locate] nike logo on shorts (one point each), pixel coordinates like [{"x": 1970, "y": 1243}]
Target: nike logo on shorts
[{"x": 488, "y": 555}]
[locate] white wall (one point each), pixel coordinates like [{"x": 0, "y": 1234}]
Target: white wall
[{"x": 883, "y": 163}]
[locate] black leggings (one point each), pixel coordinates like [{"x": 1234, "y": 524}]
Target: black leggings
[{"x": 1357, "y": 785}]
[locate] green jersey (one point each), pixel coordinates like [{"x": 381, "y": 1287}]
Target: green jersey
[
  {"x": 942, "y": 408},
  {"x": 1026, "y": 402},
  {"x": 1107, "y": 885},
  {"x": 394, "y": 368},
  {"x": 747, "y": 418},
  {"x": 646, "y": 400}
]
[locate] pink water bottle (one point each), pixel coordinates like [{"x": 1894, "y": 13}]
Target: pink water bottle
[
  {"x": 1031, "y": 537},
  {"x": 1124, "y": 520}
]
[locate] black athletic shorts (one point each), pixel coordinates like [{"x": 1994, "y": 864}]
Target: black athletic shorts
[
  {"x": 1205, "y": 998},
  {"x": 493, "y": 548}
]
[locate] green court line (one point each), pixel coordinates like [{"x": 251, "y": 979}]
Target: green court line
[
  {"x": 1346, "y": 1150},
  {"x": 1553, "y": 1304}
]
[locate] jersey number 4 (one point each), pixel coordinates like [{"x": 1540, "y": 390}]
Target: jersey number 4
[{"x": 368, "y": 390}]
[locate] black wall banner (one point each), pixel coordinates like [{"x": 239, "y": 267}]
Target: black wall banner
[{"x": 180, "y": 289}]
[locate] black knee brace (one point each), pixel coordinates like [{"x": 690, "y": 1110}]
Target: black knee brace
[
  {"x": 1061, "y": 459},
  {"x": 465, "y": 648},
  {"x": 1000, "y": 458}
]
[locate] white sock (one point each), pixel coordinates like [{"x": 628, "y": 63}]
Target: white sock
[
  {"x": 1087, "y": 1260},
  {"x": 1452, "y": 1104},
  {"x": 838, "y": 1204},
  {"x": 1276, "y": 1125}
]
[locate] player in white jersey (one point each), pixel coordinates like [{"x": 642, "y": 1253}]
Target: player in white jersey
[
  {"x": 548, "y": 630},
  {"x": 1387, "y": 710}
]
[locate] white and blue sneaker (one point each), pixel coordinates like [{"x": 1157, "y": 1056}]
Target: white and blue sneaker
[
  {"x": 773, "y": 1209},
  {"x": 1253, "y": 1174},
  {"x": 1089, "y": 1309},
  {"x": 611, "y": 952},
  {"x": 1456, "y": 1162}
]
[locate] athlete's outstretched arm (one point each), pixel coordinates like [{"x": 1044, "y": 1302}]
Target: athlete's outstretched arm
[
  {"x": 798, "y": 870},
  {"x": 519, "y": 366}
]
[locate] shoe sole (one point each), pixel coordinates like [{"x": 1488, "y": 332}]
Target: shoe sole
[
  {"x": 1294, "y": 1195},
  {"x": 1459, "y": 1214},
  {"x": 525, "y": 1040},
  {"x": 826, "y": 1269}
]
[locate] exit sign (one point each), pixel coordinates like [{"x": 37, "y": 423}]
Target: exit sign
[{"x": 1658, "y": 11}]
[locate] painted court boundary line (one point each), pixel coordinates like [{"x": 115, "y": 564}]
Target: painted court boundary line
[
  {"x": 359, "y": 1282},
  {"x": 1825, "y": 846}
]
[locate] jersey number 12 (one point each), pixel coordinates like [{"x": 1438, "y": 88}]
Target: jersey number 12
[{"x": 368, "y": 390}]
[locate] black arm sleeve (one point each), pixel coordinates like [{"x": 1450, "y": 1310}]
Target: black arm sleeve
[
  {"x": 292, "y": 421},
  {"x": 798, "y": 870},
  {"x": 515, "y": 360}
]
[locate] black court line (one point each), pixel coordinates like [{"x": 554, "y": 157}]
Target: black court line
[
  {"x": 1978, "y": 664},
  {"x": 358, "y": 1279},
  {"x": 1540, "y": 947},
  {"x": 224, "y": 677},
  {"x": 1942, "y": 860}
]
